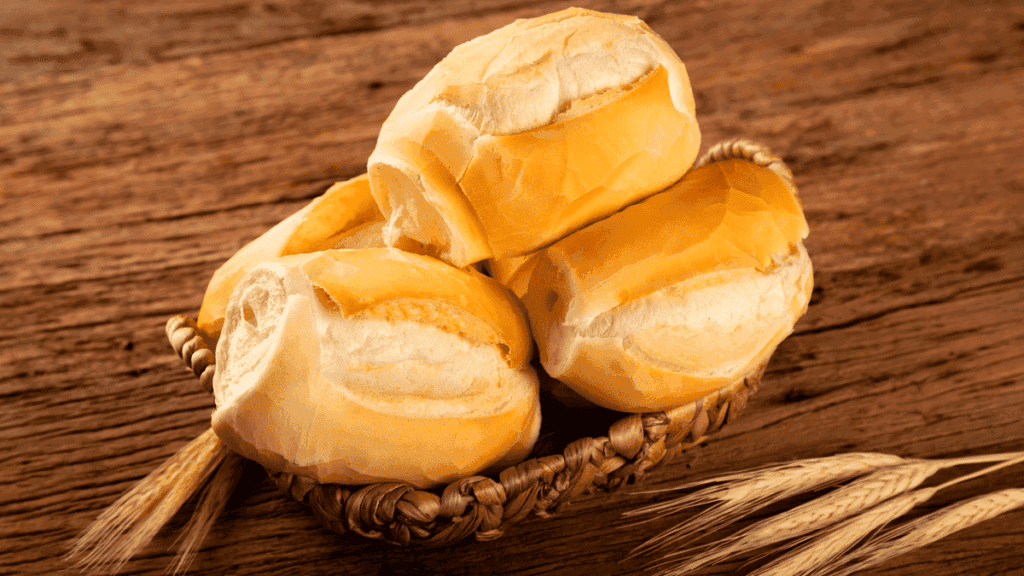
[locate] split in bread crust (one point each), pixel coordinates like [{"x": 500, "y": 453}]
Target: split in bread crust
[
  {"x": 523, "y": 135},
  {"x": 676, "y": 296},
  {"x": 358, "y": 366}
]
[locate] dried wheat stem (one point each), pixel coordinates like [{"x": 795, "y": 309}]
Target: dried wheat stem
[
  {"x": 815, "y": 515},
  {"x": 1012, "y": 458},
  {"x": 124, "y": 528},
  {"x": 212, "y": 502},
  {"x": 820, "y": 513},
  {"x": 821, "y": 553},
  {"x": 743, "y": 493},
  {"x": 932, "y": 527},
  {"x": 737, "y": 495}
]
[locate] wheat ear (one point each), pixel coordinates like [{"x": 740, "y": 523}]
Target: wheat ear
[
  {"x": 124, "y": 528},
  {"x": 817, "y": 514},
  {"x": 211, "y": 503},
  {"x": 822, "y": 512},
  {"x": 828, "y": 548},
  {"x": 826, "y": 527},
  {"x": 737, "y": 495},
  {"x": 932, "y": 527},
  {"x": 826, "y": 553}
]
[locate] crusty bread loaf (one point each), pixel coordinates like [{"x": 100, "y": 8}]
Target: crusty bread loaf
[
  {"x": 345, "y": 216},
  {"x": 358, "y": 366},
  {"x": 676, "y": 296},
  {"x": 525, "y": 134}
]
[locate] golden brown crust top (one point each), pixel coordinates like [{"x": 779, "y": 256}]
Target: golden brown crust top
[
  {"x": 389, "y": 283},
  {"x": 340, "y": 212},
  {"x": 521, "y": 136},
  {"x": 335, "y": 215},
  {"x": 727, "y": 215}
]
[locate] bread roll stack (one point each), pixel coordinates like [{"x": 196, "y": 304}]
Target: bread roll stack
[
  {"x": 522, "y": 147},
  {"x": 525, "y": 134},
  {"x": 359, "y": 366},
  {"x": 677, "y": 296},
  {"x": 345, "y": 216}
]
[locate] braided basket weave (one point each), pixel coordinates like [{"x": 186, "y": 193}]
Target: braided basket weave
[{"x": 485, "y": 507}]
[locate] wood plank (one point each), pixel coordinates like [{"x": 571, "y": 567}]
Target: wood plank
[{"x": 142, "y": 143}]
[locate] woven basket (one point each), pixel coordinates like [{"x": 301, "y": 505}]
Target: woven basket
[{"x": 484, "y": 507}]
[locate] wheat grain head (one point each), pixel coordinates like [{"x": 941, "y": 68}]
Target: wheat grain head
[
  {"x": 737, "y": 495},
  {"x": 821, "y": 553},
  {"x": 817, "y": 514},
  {"x": 125, "y": 527},
  {"x": 932, "y": 527}
]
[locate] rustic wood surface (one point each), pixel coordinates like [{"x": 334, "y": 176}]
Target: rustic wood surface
[{"x": 143, "y": 142}]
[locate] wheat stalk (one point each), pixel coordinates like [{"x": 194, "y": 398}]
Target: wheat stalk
[
  {"x": 817, "y": 514},
  {"x": 123, "y": 529},
  {"x": 825, "y": 553},
  {"x": 211, "y": 503},
  {"x": 825, "y": 529},
  {"x": 739, "y": 494},
  {"x": 837, "y": 540},
  {"x": 932, "y": 527}
]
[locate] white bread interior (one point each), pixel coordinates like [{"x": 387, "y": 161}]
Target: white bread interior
[
  {"x": 523, "y": 135},
  {"x": 344, "y": 216},
  {"x": 387, "y": 386},
  {"x": 677, "y": 296}
]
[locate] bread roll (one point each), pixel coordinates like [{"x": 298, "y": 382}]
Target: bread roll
[
  {"x": 345, "y": 216},
  {"x": 358, "y": 366},
  {"x": 513, "y": 272},
  {"x": 525, "y": 134},
  {"x": 677, "y": 296}
]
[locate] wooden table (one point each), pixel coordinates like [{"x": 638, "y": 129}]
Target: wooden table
[{"x": 142, "y": 143}]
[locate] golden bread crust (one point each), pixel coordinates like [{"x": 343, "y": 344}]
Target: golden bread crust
[
  {"x": 329, "y": 220},
  {"x": 521, "y": 136}
]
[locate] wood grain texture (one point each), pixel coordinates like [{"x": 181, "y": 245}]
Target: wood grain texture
[{"x": 142, "y": 143}]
